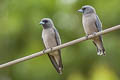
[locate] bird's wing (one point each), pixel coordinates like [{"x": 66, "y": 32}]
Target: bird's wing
[
  {"x": 58, "y": 41},
  {"x": 98, "y": 24},
  {"x": 57, "y": 37},
  {"x": 53, "y": 60}
]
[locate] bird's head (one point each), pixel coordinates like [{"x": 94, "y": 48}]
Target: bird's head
[
  {"x": 87, "y": 9},
  {"x": 46, "y": 22}
]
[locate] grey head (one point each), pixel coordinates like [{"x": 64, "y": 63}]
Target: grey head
[
  {"x": 46, "y": 23},
  {"x": 87, "y": 9}
]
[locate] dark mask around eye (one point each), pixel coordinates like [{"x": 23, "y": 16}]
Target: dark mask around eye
[
  {"x": 45, "y": 21},
  {"x": 83, "y": 9}
]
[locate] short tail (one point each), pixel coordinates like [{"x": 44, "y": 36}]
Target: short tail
[
  {"x": 57, "y": 62},
  {"x": 99, "y": 44}
]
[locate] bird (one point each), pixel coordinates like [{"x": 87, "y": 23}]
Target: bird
[
  {"x": 92, "y": 24},
  {"x": 51, "y": 38}
]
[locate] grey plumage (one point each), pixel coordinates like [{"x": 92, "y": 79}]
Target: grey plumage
[
  {"x": 51, "y": 39},
  {"x": 92, "y": 24}
]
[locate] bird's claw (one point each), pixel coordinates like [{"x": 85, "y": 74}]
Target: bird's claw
[
  {"x": 87, "y": 36},
  {"x": 94, "y": 33},
  {"x": 51, "y": 49},
  {"x": 44, "y": 50}
]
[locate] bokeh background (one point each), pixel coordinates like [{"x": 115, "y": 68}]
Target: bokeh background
[{"x": 20, "y": 35}]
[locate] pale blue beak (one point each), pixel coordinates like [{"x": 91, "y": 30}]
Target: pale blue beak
[
  {"x": 80, "y": 10},
  {"x": 42, "y": 23}
]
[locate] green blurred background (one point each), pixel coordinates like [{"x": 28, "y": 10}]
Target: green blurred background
[{"x": 20, "y": 35}]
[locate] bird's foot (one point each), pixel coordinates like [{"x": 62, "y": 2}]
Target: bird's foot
[
  {"x": 87, "y": 36},
  {"x": 94, "y": 33},
  {"x": 44, "y": 50},
  {"x": 51, "y": 49}
]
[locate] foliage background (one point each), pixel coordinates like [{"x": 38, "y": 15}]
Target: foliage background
[{"x": 20, "y": 35}]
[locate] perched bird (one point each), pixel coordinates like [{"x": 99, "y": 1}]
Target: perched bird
[
  {"x": 51, "y": 39},
  {"x": 92, "y": 24}
]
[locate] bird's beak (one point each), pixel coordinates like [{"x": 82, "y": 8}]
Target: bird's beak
[
  {"x": 42, "y": 23},
  {"x": 80, "y": 10}
]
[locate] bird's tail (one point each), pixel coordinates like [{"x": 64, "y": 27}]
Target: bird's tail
[
  {"x": 99, "y": 44},
  {"x": 56, "y": 61}
]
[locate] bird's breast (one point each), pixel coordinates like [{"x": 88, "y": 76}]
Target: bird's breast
[
  {"x": 48, "y": 36},
  {"x": 89, "y": 24}
]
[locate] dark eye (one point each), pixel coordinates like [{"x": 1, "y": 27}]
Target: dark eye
[
  {"x": 45, "y": 21},
  {"x": 84, "y": 8}
]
